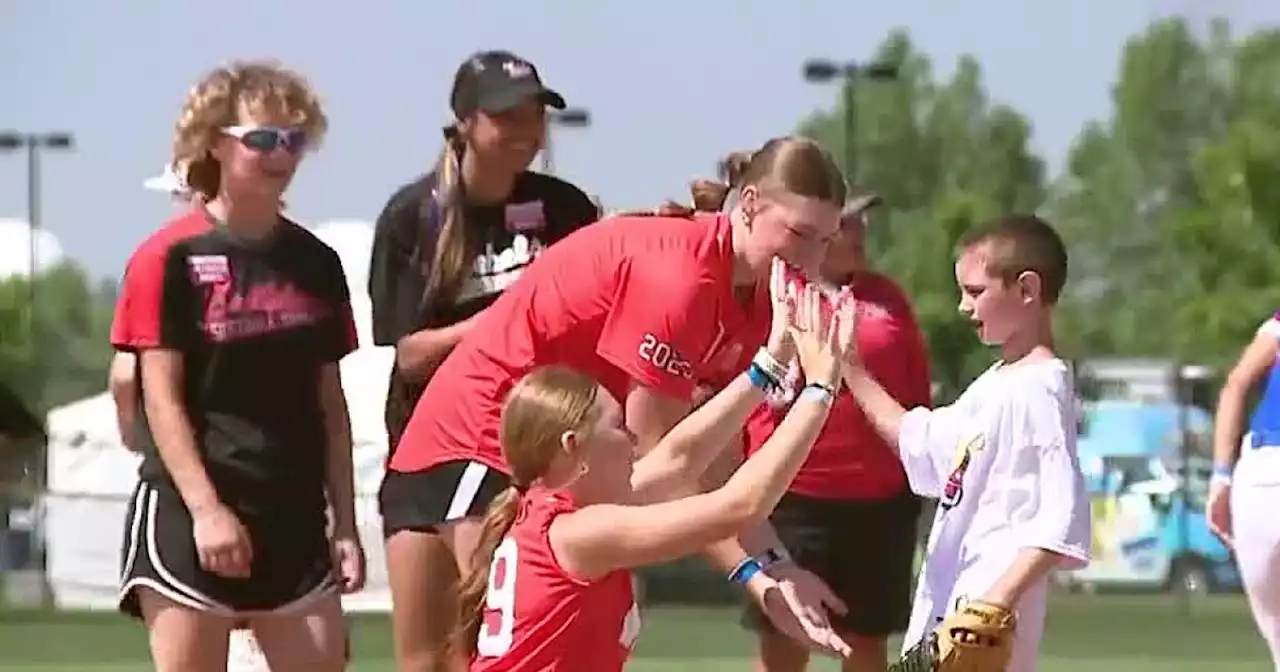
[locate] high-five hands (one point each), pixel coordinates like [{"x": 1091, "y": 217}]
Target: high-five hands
[
  {"x": 782, "y": 300},
  {"x": 822, "y": 337}
]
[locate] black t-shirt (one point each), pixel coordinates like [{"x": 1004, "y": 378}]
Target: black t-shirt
[
  {"x": 541, "y": 210},
  {"x": 255, "y": 325}
]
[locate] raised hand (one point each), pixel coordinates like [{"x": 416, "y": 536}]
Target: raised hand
[
  {"x": 820, "y": 340},
  {"x": 782, "y": 301},
  {"x": 846, "y": 309}
]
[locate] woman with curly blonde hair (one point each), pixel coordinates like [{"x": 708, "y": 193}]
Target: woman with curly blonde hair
[{"x": 238, "y": 318}]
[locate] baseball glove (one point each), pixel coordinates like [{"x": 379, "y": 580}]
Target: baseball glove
[{"x": 977, "y": 638}]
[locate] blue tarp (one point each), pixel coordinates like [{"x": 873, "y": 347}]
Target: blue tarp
[{"x": 1136, "y": 429}]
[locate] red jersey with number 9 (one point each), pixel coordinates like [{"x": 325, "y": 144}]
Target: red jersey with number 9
[
  {"x": 539, "y": 618},
  {"x": 648, "y": 300}
]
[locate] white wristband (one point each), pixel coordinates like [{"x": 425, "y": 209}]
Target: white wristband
[
  {"x": 820, "y": 394},
  {"x": 771, "y": 365}
]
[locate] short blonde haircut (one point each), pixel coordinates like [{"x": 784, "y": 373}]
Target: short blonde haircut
[{"x": 215, "y": 102}]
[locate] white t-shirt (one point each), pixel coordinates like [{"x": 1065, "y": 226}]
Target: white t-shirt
[{"x": 1002, "y": 462}]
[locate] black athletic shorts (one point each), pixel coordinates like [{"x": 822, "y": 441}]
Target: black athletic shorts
[
  {"x": 863, "y": 550},
  {"x": 292, "y": 565},
  {"x": 421, "y": 500}
]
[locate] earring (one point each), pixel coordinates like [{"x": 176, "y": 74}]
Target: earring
[{"x": 583, "y": 469}]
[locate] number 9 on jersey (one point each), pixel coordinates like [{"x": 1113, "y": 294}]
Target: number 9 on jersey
[
  {"x": 499, "y": 602},
  {"x": 497, "y": 630}
]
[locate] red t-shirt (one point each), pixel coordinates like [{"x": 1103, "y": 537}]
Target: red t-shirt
[
  {"x": 538, "y": 618},
  {"x": 644, "y": 299},
  {"x": 850, "y": 460}
]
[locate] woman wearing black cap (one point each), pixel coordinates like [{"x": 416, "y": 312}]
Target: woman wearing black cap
[{"x": 446, "y": 245}]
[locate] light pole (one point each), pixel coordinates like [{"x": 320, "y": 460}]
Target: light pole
[
  {"x": 822, "y": 71},
  {"x": 572, "y": 117},
  {"x": 1185, "y": 380},
  {"x": 34, "y": 143}
]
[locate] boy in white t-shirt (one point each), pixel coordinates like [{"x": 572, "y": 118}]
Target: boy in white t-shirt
[{"x": 1001, "y": 460}]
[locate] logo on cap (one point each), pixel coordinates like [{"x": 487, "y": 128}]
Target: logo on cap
[{"x": 517, "y": 69}]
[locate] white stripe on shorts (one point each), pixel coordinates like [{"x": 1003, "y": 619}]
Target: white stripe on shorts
[
  {"x": 168, "y": 585},
  {"x": 465, "y": 495}
]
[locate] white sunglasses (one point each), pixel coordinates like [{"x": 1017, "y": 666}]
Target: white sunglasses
[{"x": 269, "y": 138}]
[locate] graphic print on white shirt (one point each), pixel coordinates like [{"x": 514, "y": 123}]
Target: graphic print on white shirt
[
  {"x": 1002, "y": 461},
  {"x": 953, "y": 489}
]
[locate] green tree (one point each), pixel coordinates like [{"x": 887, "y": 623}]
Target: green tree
[
  {"x": 1228, "y": 240},
  {"x": 61, "y": 350},
  {"x": 1169, "y": 205},
  {"x": 1126, "y": 179},
  {"x": 945, "y": 157}
]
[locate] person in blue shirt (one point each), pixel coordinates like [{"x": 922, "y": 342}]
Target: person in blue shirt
[{"x": 1244, "y": 491}]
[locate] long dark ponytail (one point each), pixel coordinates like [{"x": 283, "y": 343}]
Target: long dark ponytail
[{"x": 442, "y": 212}]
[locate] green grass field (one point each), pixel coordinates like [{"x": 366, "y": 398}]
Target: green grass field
[{"x": 1085, "y": 634}]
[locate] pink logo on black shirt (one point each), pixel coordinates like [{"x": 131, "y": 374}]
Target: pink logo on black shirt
[
  {"x": 263, "y": 308},
  {"x": 209, "y": 269},
  {"x": 524, "y": 217}
]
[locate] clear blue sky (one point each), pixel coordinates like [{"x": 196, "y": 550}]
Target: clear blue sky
[{"x": 671, "y": 84}]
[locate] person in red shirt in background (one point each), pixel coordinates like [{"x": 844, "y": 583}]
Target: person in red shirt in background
[
  {"x": 849, "y": 516},
  {"x": 651, "y": 307}
]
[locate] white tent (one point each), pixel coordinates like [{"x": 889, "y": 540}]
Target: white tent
[{"x": 86, "y": 457}]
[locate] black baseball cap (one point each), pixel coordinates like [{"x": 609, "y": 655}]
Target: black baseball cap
[{"x": 496, "y": 81}]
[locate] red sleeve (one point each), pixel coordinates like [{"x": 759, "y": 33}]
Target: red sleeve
[
  {"x": 912, "y": 386},
  {"x": 154, "y": 309},
  {"x": 659, "y": 327},
  {"x": 120, "y": 333},
  {"x": 919, "y": 372}
]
